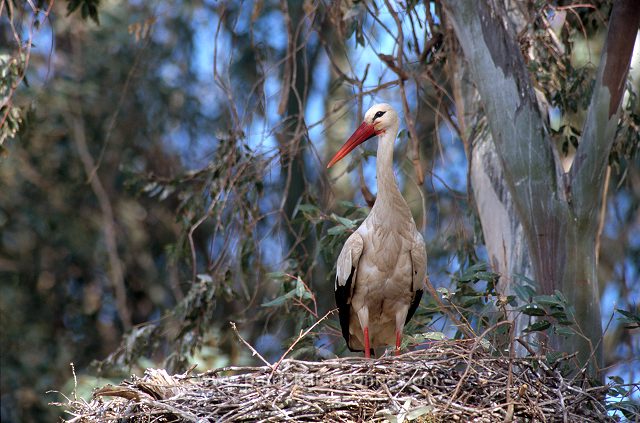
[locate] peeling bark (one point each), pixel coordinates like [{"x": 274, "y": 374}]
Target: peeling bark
[
  {"x": 503, "y": 233},
  {"x": 587, "y": 173},
  {"x": 626, "y": 17},
  {"x": 530, "y": 172}
]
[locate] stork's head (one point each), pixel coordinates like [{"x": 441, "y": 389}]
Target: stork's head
[{"x": 378, "y": 119}]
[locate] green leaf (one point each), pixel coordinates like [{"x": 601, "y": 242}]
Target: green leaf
[
  {"x": 346, "y": 222},
  {"x": 305, "y": 208},
  {"x": 630, "y": 318},
  {"x": 628, "y": 408},
  {"x": 418, "y": 412},
  {"x": 471, "y": 272},
  {"x": 72, "y": 5},
  {"x": 533, "y": 310},
  {"x": 486, "y": 344},
  {"x": 477, "y": 267},
  {"x": 301, "y": 290},
  {"x": 617, "y": 379},
  {"x": 346, "y": 204},
  {"x": 150, "y": 186},
  {"x": 468, "y": 301},
  {"x": 561, "y": 296},
  {"x": 553, "y": 356},
  {"x": 434, "y": 336},
  {"x": 336, "y": 230},
  {"x": 275, "y": 302},
  {"x": 529, "y": 281},
  {"x": 280, "y": 300},
  {"x": 278, "y": 276},
  {"x": 487, "y": 276},
  {"x": 88, "y": 9},
  {"x": 547, "y": 300},
  {"x": 559, "y": 315},
  {"x": 204, "y": 278},
  {"x": 93, "y": 14},
  {"x": 444, "y": 292},
  {"x": 466, "y": 277},
  {"x": 538, "y": 326},
  {"x": 563, "y": 331},
  {"x": 524, "y": 292}
]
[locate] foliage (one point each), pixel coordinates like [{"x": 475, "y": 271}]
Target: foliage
[
  {"x": 88, "y": 9},
  {"x": 11, "y": 70},
  {"x": 565, "y": 79}
]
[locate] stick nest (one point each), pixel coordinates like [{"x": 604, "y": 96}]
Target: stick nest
[{"x": 448, "y": 381}]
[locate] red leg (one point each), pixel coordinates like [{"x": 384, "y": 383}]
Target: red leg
[
  {"x": 398, "y": 342},
  {"x": 367, "y": 350}
]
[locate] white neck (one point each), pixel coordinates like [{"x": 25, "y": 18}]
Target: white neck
[{"x": 387, "y": 186}]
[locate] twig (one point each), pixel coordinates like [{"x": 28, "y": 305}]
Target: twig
[
  {"x": 75, "y": 382},
  {"x": 510, "y": 408},
  {"x": 287, "y": 77},
  {"x": 408, "y": 117},
  {"x": 466, "y": 329},
  {"x": 565, "y": 418},
  {"x": 470, "y": 357},
  {"x": 235, "y": 330},
  {"x": 75, "y": 122},
  {"x": 302, "y": 335}
]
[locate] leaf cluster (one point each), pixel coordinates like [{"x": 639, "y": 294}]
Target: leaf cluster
[
  {"x": 88, "y": 9},
  {"x": 11, "y": 116}
]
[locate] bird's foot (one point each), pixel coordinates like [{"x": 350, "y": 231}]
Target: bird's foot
[{"x": 398, "y": 342}]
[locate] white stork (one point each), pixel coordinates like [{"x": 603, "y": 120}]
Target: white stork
[{"x": 381, "y": 268}]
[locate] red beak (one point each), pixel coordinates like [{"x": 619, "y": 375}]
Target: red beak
[{"x": 363, "y": 133}]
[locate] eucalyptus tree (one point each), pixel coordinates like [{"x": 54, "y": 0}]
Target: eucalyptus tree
[{"x": 540, "y": 219}]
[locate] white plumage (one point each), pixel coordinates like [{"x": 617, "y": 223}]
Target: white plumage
[{"x": 381, "y": 268}]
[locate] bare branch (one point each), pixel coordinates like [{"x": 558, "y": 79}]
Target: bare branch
[
  {"x": 253, "y": 350},
  {"x": 300, "y": 336},
  {"x": 408, "y": 117},
  {"x": 109, "y": 230},
  {"x": 287, "y": 77}
]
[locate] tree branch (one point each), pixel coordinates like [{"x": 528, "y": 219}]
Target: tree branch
[
  {"x": 587, "y": 173},
  {"x": 108, "y": 219},
  {"x": 408, "y": 117}
]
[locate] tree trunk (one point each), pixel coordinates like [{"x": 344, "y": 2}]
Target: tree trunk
[
  {"x": 503, "y": 234},
  {"x": 517, "y": 178},
  {"x": 293, "y": 138}
]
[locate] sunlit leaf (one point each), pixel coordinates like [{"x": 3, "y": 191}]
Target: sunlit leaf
[
  {"x": 538, "y": 326},
  {"x": 533, "y": 310}
]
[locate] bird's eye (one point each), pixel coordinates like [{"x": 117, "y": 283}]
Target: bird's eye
[{"x": 378, "y": 114}]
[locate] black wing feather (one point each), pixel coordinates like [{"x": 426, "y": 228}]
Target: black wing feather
[
  {"x": 415, "y": 302},
  {"x": 343, "y": 292}
]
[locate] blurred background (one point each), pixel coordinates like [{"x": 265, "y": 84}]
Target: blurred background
[{"x": 168, "y": 177}]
